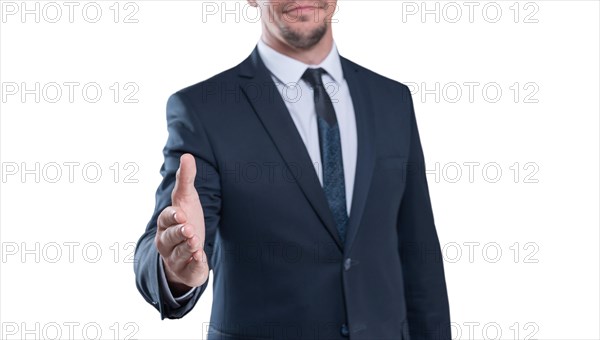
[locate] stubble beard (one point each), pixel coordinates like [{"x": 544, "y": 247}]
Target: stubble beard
[{"x": 302, "y": 40}]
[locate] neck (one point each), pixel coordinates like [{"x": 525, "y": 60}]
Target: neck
[{"x": 312, "y": 56}]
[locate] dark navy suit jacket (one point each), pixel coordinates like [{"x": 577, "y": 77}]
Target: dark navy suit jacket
[{"x": 279, "y": 269}]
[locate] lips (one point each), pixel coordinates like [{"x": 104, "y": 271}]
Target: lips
[{"x": 300, "y": 8}]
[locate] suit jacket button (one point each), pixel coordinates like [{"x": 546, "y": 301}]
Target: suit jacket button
[
  {"x": 347, "y": 264},
  {"x": 344, "y": 330}
]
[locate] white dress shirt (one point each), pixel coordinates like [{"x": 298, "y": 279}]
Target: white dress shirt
[{"x": 297, "y": 95}]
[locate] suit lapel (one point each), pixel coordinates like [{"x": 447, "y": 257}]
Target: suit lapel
[
  {"x": 261, "y": 91},
  {"x": 365, "y": 159}
]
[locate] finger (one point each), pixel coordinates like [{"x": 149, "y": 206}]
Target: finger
[
  {"x": 184, "y": 178},
  {"x": 170, "y": 216},
  {"x": 198, "y": 261},
  {"x": 170, "y": 238},
  {"x": 199, "y": 256},
  {"x": 195, "y": 272},
  {"x": 183, "y": 253}
]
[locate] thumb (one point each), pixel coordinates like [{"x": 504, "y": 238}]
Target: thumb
[{"x": 184, "y": 178}]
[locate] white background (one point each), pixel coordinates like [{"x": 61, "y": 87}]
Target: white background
[{"x": 543, "y": 218}]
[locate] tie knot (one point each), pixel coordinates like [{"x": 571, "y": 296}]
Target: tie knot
[{"x": 313, "y": 76}]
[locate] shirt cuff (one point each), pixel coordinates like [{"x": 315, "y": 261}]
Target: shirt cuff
[{"x": 173, "y": 302}]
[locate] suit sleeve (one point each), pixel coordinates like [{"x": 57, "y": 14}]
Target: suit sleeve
[
  {"x": 186, "y": 134},
  {"x": 428, "y": 315}
]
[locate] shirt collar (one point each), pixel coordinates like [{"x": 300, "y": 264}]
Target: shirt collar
[{"x": 289, "y": 70}]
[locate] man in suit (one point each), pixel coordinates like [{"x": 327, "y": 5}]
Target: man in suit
[{"x": 298, "y": 178}]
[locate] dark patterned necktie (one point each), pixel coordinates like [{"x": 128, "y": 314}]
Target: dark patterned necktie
[{"x": 331, "y": 150}]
